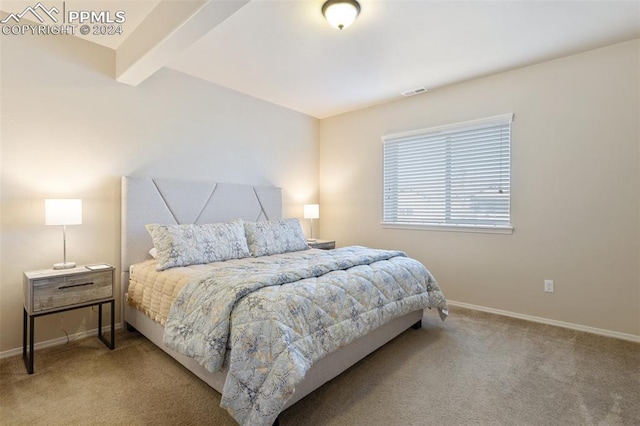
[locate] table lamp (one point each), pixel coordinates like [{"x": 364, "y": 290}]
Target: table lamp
[
  {"x": 63, "y": 212},
  {"x": 311, "y": 211}
]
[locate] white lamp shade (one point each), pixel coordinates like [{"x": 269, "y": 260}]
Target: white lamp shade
[
  {"x": 311, "y": 211},
  {"x": 63, "y": 211},
  {"x": 341, "y": 13}
]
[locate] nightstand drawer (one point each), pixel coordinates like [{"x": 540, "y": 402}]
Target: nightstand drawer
[
  {"x": 58, "y": 292},
  {"x": 322, "y": 244}
]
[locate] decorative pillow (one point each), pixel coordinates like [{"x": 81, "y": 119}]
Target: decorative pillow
[
  {"x": 274, "y": 237},
  {"x": 184, "y": 245}
]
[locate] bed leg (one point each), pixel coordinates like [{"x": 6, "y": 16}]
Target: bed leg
[
  {"x": 130, "y": 327},
  {"x": 417, "y": 325}
]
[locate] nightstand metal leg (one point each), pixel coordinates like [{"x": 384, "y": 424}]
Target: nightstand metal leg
[
  {"x": 27, "y": 356},
  {"x": 113, "y": 324},
  {"x": 24, "y": 333},
  {"x": 110, "y": 344},
  {"x": 32, "y": 333}
]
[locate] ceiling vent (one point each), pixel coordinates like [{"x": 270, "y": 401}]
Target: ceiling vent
[{"x": 415, "y": 91}]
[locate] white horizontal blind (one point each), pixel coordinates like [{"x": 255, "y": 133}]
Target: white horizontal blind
[{"x": 455, "y": 175}]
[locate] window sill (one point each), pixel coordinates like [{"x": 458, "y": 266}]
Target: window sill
[{"x": 484, "y": 229}]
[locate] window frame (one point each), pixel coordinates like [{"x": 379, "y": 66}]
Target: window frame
[{"x": 451, "y": 128}]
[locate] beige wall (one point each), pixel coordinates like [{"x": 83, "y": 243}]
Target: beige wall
[
  {"x": 575, "y": 189},
  {"x": 70, "y": 130}
]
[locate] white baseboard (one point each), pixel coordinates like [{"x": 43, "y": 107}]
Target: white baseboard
[
  {"x": 593, "y": 330},
  {"x": 60, "y": 340}
]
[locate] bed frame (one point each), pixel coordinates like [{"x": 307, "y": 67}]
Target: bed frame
[{"x": 147, "y": 200}]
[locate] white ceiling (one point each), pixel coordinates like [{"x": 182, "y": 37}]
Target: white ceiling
[
  {"x": 286, "y": 53},
  {"x": 283, "y": 51}
]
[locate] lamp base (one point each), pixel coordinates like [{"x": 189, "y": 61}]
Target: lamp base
[{"x": 67, "y": 265}]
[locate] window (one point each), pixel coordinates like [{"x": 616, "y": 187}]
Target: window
[{"x": 454, "y": 177}]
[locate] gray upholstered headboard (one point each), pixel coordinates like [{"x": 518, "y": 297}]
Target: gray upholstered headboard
[{"x": 169, "y": 201}]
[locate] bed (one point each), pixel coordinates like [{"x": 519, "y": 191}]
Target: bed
[{"x": 261, "y": 359}]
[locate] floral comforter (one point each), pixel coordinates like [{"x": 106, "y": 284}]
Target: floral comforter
[{"x": 271, "y": 318}]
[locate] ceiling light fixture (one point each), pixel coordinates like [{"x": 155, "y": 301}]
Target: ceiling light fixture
[{"x": 341, "y": 13}]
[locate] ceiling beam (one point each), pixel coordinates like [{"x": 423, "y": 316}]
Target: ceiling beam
[{"x": 170, "y": 28}]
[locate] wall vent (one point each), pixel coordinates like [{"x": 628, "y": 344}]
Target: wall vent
[{"x": 415, "y": 91}]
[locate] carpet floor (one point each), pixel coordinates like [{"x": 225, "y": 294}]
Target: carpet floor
[{"x": 473, "y": 369}]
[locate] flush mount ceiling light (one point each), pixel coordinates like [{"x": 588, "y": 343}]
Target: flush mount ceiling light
[{"x": 341, "y": 13}]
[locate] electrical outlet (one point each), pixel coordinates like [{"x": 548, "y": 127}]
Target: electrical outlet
[{"x": 548, "y": 286}]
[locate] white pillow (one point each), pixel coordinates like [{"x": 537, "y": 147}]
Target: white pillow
[
  {"x": 274, "y": 237},
  {"x": 184, "y": 245}
]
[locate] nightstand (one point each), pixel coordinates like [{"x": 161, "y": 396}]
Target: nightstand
[
  {"x": 50, "y": 291},
  {"x": 322, "y": 244}
]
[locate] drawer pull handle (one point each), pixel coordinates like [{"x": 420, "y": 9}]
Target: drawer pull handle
[{"x": 74, "y": 285}]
